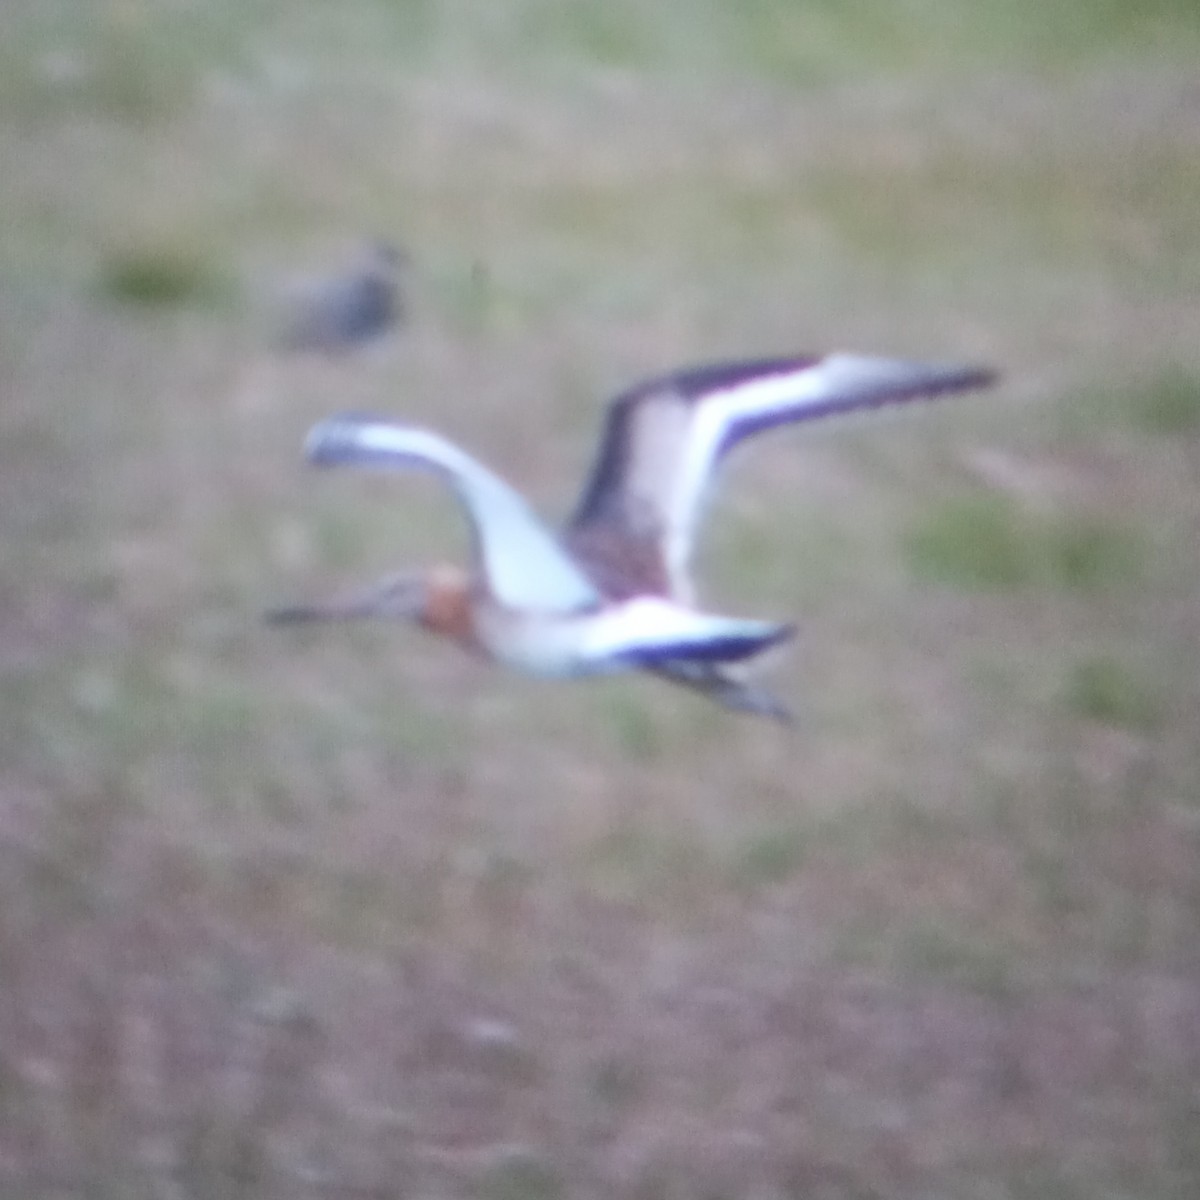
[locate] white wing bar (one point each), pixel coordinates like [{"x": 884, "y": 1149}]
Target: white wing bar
[{"x": 522, "y": 561}]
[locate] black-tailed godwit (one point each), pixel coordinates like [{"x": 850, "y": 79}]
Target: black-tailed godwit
[{"x": 612, "y": 590}]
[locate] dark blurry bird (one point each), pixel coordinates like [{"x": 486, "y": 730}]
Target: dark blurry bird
[
  {"x": 612, "y": 591},
  {"x": 340, "y": 313}
]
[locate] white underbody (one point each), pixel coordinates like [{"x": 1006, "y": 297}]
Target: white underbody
[{"x": 558, "y": 645}]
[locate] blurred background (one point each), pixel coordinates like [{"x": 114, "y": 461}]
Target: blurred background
[{"x": 344, "y": 913}]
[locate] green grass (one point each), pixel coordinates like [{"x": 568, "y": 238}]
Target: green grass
[
  {"x": 929, "y": 949},
  {"x": 1169, "y": 404},
  {"x": 160, "y": 278},
  {"x": 990, "y": 543},
  {"x": 521, "y": 1177},
  {"x": 343, "y": 912},
  {"x": 768, "y": 857},
  {"x": 1103, "y": 689},
  {"x": 974, "y": 543}
]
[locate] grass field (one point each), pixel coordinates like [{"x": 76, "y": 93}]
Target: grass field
[{"x": 346, "y": 914}]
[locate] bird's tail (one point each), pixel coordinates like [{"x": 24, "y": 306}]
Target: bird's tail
[{"x": 726, "y": 687}]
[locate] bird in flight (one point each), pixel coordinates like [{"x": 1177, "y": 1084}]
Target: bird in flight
[{"x": 612, "y": 590}]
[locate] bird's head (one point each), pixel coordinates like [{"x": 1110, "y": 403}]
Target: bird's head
[{"x": 439, "y": 599}]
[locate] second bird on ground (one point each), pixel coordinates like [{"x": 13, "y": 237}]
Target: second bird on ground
[
  {"x": 344, "y": 311},
  {"x": 612, "y": 591}
]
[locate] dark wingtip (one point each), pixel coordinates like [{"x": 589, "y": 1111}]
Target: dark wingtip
[
  {"x": 739, "y": 647},
  {"x": 968, "y": 378}
]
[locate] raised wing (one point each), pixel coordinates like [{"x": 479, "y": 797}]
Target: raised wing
[
  {"x": 665, "y": 437},
  {"x": 519, "y": 559}
]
